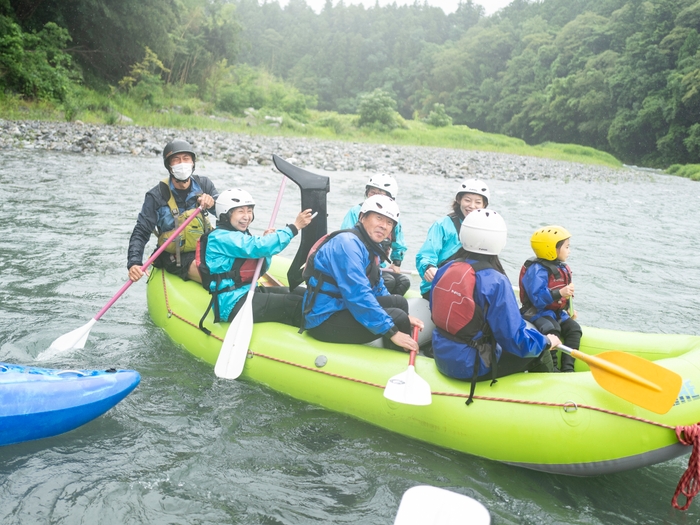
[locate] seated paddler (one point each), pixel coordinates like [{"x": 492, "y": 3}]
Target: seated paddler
[
  {"x": 165, "y": 207},
  {"x": 394, "y": 280},
  {"x": 228, "y": 255},
  {"x": 346, "y": 300},
  {"x": 480, "y": 334}
]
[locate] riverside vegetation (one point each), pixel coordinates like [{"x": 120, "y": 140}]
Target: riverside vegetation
[{"x": 534, "y": 75}]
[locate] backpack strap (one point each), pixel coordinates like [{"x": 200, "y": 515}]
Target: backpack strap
[
  {"x": 456, "y": 222},
  {"x": 175, "y": 210}
]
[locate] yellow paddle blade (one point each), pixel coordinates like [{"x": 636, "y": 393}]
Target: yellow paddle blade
[{"x": 634, "y": 379}]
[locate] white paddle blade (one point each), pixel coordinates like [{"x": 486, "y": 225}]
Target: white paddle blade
[
  {"x": 72, "y": 340},
  {"x": 234, "y": 350},
  {"x": 408, "y": 388},
  {"x": 426, "y": 505}
]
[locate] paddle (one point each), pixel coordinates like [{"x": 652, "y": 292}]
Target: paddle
[
  {"x": 408, "y": 387},
  {"x": 78, "y": 337},
  {"x": 632, "y": 378},
  {"x": 229, "y": 364},
  {"x": 405, "y": 272},
  {"x": 424, "y": 505}
]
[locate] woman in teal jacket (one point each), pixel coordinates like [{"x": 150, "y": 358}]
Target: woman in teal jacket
[
  {"x": 230, "y": 254},
  {"x": 442, "y": 241}
]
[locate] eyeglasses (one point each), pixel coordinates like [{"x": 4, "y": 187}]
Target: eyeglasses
[{"x": 375, "y": 191}]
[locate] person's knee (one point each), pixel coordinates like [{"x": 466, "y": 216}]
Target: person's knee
[
  {"x": 193, "y": 273},
  {"x": 402, "y": 284},
  {"x": 293, "y": 309},
  {"x": 401, "y": 320},
  {"x": 546, "y": 325},
  {"x": 389, "y": 281}
]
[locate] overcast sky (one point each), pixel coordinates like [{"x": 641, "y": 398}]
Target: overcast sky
[{"x": 449, "y": 6}]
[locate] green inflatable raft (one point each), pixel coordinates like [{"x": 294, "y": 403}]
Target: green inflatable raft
[{"x": 586, "y": 429}]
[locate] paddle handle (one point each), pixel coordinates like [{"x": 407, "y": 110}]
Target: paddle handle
[
  {"x": 412, "y": 357},
  {"x": 150, "y": 260},
  {"x": 405, "y": 272},
  {"x": 610, "y": 367},
  {"x": 273, "y": 218}
]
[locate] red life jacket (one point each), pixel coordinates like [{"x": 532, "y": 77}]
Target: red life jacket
[
  {"x": 457, "y": 316},
  {"x": 242, "y": 272},
  {"x": 452, "y": 301},
  {"x": 559, "y": 277}
]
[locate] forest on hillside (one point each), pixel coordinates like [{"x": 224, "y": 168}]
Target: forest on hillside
[{"x": 622, "y": 76}]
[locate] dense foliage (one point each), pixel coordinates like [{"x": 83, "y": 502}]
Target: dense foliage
[
  {"x": 622, "y": 76},
  {"x": 33, "y": 63},
  {"x": 619, "y": 75}
]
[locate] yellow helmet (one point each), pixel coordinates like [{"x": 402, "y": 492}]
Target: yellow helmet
[{"x": 544, "y": 241}]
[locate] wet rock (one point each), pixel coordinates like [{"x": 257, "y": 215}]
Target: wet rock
[
  {"x": 315, "y": 154},
  {"x": 240, "y": 160}
]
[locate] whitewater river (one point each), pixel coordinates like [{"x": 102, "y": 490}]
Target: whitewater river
[{"x": 187, "y": 448}]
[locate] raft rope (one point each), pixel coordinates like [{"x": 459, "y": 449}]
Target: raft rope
[{"x": 689, "y": 484}]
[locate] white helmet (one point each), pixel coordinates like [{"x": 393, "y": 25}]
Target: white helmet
[
  {"x": 475, "y": 186},
  {"x": 483, "y": 231},
  {"x": 382, "y": 205},
  {"x": 383, "y": 182},
  {"x": 230, "y": 199}
]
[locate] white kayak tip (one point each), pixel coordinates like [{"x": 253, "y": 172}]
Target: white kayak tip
[{"x": 428, "y": 505}]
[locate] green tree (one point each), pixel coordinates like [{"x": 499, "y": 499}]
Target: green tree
[
  {"x": 144, "y": 79},
  {"x": 438, "y": 117},
  {"x": 378, "y": 108},
  {"x": 35, "y": 64}
]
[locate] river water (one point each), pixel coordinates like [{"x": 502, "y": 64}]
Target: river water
[{"x": 187, "y": 448}]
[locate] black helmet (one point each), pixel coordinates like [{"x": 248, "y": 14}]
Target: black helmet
[{"x": 177, "y": 146}]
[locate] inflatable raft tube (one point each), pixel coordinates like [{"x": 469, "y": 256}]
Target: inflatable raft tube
[{"x": 559, "y": 423}]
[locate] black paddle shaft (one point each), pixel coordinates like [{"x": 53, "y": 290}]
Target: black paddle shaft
[{"x": 313, "y": 196}]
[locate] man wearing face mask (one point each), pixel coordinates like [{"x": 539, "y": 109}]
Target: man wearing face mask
[{"x": 165, "y": 207}]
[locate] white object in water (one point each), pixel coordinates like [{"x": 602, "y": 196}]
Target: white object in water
[{"x": 426, "y": 505}]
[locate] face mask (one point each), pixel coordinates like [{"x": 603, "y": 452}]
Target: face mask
[{"x": 182, "y": 171}]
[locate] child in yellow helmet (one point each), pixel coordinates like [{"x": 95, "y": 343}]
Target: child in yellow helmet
[{"x": 546, "y": 290}]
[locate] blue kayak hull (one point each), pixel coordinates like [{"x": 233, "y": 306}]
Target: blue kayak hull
[{"x": 40, "y": 402}]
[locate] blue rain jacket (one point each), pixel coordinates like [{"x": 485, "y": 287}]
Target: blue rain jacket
[
  {"x": 492, "y": 290},
  {"x": 345, "y": 258},
  {"x": 535, "y": 282}
]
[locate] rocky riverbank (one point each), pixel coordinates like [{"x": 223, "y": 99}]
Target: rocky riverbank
[{"x": 242, "y": 149}]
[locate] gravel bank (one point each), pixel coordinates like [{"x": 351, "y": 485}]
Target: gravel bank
[{"x": 241, "y": 149}]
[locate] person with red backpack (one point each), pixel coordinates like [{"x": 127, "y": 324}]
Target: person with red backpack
[
  {"x": 346, "y": 300},
  {"x": 479, "y": 332},
  {"x": 227, "y": 256},
  {"x": 546, "y": 290}
]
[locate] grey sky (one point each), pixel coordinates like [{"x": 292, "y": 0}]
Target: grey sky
[{"x": 448, "y": 6}]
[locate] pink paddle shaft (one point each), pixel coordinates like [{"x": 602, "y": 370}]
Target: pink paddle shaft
[
  {"x": 273, "y": 218},
  {"x": 150, "y": 260},
  {"x": 412, "y": 358}
]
